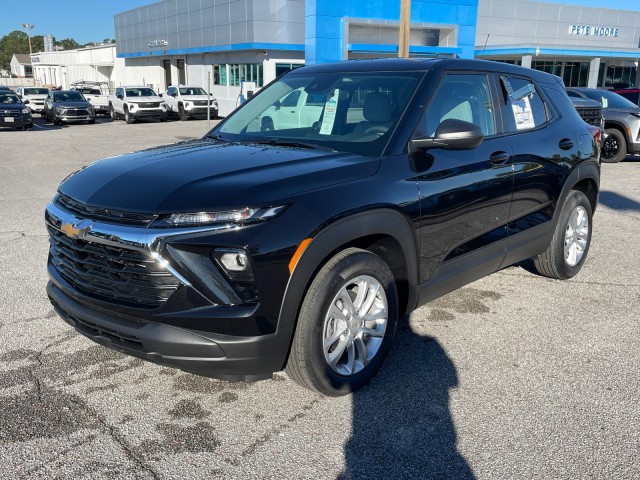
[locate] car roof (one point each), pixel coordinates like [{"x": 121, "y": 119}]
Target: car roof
[{"x": 425, "y": 64}]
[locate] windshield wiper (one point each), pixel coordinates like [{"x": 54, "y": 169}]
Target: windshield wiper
[
  {"x": 288, "y": 143},
  {"x": 213, "y": 136}
]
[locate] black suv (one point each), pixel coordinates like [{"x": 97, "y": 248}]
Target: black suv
[{"x": 257, "y": 249}]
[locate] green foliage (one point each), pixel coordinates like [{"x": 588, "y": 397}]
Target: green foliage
[
  {"x": 10, "y": 44},
  {"x": 68, "y": 44}
]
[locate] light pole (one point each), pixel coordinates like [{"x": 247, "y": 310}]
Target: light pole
[{"x": 28, "y": 27}]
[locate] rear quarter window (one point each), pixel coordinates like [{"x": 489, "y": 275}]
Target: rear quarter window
[{"x": 523, "y": 111}]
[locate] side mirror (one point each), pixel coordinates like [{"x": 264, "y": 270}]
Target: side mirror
[
  {"x": 120, "y": 96},
  {"x": 451, "y": 134},
  {"x": 160, "y": 94},
  {"x": 175, "y": 95},
  {"x": 277, "y": 105}
]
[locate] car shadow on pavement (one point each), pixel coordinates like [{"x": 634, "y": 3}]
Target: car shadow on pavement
[
  {"x": 402, "y": 424},
  {"x": 616, "y": 201}
]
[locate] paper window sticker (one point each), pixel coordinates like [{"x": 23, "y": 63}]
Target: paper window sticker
[{"x": 330, "y": 107}]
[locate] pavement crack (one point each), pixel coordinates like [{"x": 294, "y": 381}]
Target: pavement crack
[
  {"x": 274, "y": 432},
  {"x": 36, "y": 379},
  {"x": 113, "y": 433}
]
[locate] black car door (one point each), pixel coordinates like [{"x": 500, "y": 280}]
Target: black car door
[
  {"x": 544, "y": 151},
  {"x": 464, "y": 194}
]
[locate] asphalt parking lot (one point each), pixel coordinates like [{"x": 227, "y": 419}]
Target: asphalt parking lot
[{"x": 512, "y": 377}]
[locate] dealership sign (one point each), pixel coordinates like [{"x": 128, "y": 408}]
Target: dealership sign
[
  {"x": 158, "y": 43},
  {"x": 593, "y": 31}
]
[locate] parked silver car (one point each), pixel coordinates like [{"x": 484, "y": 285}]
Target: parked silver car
[{"x": 621, "y": 122}]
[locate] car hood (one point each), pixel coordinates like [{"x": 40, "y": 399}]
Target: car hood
[
  {"x": 202, "y": 175},
  {"x": 35, "y": 97},
  {"x": 196, "y": 97},
  {"x": 144, "y": 99},
  {"x": 11, "y": 106},
  {"x": 625, "y": 110},
  {"x": 72, "y": 104}
]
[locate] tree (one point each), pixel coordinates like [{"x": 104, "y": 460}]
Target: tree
[
  {"x": 12, "y": 43},
  {"x": 68, "y": 44}
]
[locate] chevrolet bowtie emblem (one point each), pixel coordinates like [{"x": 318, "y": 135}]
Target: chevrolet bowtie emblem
[{"x": 75, "y": 231}]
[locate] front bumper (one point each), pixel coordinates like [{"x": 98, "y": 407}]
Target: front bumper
[
  {"x": 149, "y": 113},
  {"x": 201, "y": 112},
  {"x": 74, "y": 119},
  {"x": 216, "y": 356},
  {"x": 202, "y": 327},
  {"x": 23, "y": 120}
]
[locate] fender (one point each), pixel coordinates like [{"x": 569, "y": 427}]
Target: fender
[
  {"x": 588, "y": 170},
  {"x": 618, "y": 126},
  {"x": 342, "y": 232}
]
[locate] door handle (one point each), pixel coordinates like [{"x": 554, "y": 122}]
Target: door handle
[
  {"x": 499, "y": 158},
  {"x": 565, "y": 144}
]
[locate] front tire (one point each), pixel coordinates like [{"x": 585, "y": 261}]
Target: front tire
[
  {"x": 128, "y": 117},
  {"x": 112, "y": 113},
  {"x": 182, "y": 114},
  {"x": 614, "y": 148},
  {"x": 346, "y": 324},
  {"x": 569, "y": 246}
]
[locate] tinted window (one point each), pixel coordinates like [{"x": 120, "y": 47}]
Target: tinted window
[
  {"x": 573, "y": 94},
  {"x": 140, "y": 92},
  {"x": 71, "y": 96},
  {"x": 525, "y": 108},
  {"x": 192, "y": 91},
  {"x": 8, "y": 98},
  {"x": 462, "y": 97},
  {"x": 609, "y": 99}
]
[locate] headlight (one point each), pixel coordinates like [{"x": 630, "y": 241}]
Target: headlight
[
  {"x": 60, "y": 111},
  {"x": 26, "y": 110},
  {"x": 132, "y": 106},
  {"x": 240, "y": 217},
  {"x": 187, "y": 104}
]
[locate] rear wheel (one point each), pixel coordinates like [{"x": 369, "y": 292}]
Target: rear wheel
[
  {"x": 346, "y": 324},
  {"x": 568, "y": 249},
  {"x": 614, "y": 148}
]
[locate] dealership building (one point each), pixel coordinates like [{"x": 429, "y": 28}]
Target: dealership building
[{"x": 234, "y": 47}]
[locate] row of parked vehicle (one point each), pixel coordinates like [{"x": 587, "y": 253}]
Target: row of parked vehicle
[{"x": 84, "y": 100}]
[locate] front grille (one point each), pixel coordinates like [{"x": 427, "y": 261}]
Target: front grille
[
  {"x": 9, "y": 113},
  {"x": 114, "y": 274},
  {"x": 593, "y": 116},
  {"x": 149, "y": 104},
  {"x": 75, "y": 112},
  {"x": 200, "y": 102},
  {"x": 106, "y": 215}
]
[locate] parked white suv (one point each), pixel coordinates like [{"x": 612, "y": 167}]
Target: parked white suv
[
  {"x": 133, "y": 103},
  {"x": 189, "y": 101},
  {"x": 33, "y": 97}
]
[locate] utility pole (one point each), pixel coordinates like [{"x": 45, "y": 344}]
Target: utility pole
[{"x": 405, "y": 22}]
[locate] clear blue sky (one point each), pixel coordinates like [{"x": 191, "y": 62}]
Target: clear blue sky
[
  {"x": 83, "y": 20},
  {"x": 92, "y": 21}
]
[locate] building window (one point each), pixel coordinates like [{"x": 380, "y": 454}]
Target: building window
[
  {"x": 285, "y": 67},
  {"x": 246, "y": 72},
  {"x": 219, "y": 74},
  {"x": 549, "y": 66},
  {"x": 620, "y": 77}
]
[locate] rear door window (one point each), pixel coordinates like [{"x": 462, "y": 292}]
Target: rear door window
[{"x": 525, "y": 109}]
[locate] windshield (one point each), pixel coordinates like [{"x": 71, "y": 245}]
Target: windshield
[
  {"x": 70, "y": 96},
  {"x": 140, "y": 92},
  {"x": 192, "y": 91},
  {"x": 8, "y": 98},
  {"x": 609, "y": 99},
  {"x": 354, "y": 112},
  {"x": 36, "y": 91}
]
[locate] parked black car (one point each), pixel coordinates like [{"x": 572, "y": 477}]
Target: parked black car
[
  {"x": 14, "y": 113},
  {"x": 256, "y": 249},
  {"x": 621, "y": 122},
  {"x": 68, "y": 106}
]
